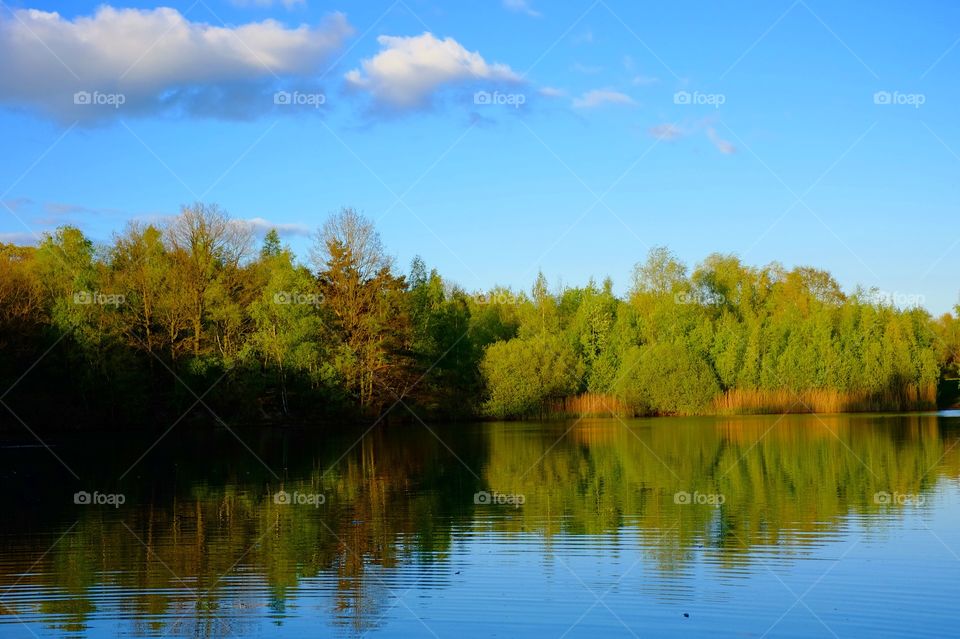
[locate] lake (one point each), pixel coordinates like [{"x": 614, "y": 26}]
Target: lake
[{"x": 793, "y": 526}]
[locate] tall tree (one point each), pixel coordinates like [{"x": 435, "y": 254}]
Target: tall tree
[
  {"x": 141, "y": 264},
  {"x": 205, "y": 243},
  {"x": 366, "y": 302}
]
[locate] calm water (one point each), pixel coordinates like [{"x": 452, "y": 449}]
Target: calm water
[{"x": 839, "y": 526}]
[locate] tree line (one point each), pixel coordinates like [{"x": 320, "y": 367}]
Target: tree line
[{"x": 190, "y": 319}]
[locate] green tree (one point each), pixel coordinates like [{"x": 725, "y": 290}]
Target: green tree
[
  {"x": 288, "y": 329},
  {"x": 206, "y": 246},
  {"x": 441, "y": 343},
  {"x": 141, "y": 264},
  {"x": 666, "y": 379},
  {"x": 524, "y": 373}
]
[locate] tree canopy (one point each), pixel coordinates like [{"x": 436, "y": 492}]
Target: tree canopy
[{"x": 169, "y": 320}]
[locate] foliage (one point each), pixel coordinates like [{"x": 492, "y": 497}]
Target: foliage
[
  {"x": 523, "y": 373},
  {"x": 665, "y": 379},
  {"x": 164, "y": 315}
]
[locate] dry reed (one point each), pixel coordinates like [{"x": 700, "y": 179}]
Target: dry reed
[{"x": 759, "y": 402}]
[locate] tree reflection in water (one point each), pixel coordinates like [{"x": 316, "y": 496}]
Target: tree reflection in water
[{"x": 201, "y": 548}]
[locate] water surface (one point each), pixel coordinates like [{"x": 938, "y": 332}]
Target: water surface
[{"x": 800, "y": 526}]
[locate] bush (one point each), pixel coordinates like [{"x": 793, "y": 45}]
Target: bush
[
  {"x": 523, "y": 373},
  {"x": 665, "y": 379}
]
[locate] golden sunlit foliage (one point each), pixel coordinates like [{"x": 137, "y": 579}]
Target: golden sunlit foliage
[{"x": 140, "y": 329}]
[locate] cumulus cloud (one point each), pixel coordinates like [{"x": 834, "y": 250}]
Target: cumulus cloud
[
  {"x": 121, "y": 62},
  {"x": 521, "y": 6},
  {"x": 408, "y": 71},
  {"x": 600, "y": 97}
]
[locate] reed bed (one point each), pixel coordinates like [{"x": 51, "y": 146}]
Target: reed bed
[
  {"x": 824, "y": 400},
  {"x": 762, "y": 402},
  {"x": 587, "y": 405}
]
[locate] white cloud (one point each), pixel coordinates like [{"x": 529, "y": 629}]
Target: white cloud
[
  {"x": 599, "y": 97},
  {"x": 722, "y": 145},
  {"x": 157, "y": 60},
  {"x": 409, "y": 70},
  {"x": 521, "y": 6},
  {"x": 261, "y": 226},
  {"x": 672, "y": 133},
  {"x": 644, "y": 80}
]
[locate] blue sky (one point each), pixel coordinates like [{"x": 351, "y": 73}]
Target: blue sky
[{"x": 752, "y": 128}]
